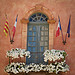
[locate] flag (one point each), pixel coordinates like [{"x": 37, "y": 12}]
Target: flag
[
  {"x": 58, "y": 28},
  {"x": 14, "y": 28},
  {"x": 6, "y": 27},
  {"x": 68, "y": 29}
]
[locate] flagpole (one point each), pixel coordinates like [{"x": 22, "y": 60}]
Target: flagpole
[
  {"x": 67, "y": 29},
  {"x": 65, "y": 38},
  {"x": 13, "y": 36},
  {"x": 61, "y": 32},
  {"x": 62, "y": 37},
  {"x": 8, "y": 29}
]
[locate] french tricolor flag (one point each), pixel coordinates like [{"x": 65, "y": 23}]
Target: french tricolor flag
[
  {"x": 14, "y": 28},
  {"x": 58, "y": 28}
]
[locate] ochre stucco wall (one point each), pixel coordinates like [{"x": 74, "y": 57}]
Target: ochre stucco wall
[{"x": 63, "y": 8}]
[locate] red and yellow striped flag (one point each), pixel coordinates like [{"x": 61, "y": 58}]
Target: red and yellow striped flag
[{"x": 6, "y": 27}]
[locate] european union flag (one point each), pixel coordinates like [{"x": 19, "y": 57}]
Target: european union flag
[
  {"x": 68, "y": 29},
  {"x": 59, "y": 23}
]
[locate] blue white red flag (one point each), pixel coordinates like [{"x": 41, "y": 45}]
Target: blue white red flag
[
  {"x": 58, "y": 28},
  {"x": 14, "y": 28}
]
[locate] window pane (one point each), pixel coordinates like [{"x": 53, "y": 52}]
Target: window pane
[
  {"x": 41, "y": 19},
  {"x": 30, "y": 33},
  {"x": 46, "y": 28},
  {"x": 34, "y": 38},
  {"x": 30, "y": 19},
  {"x": 29, "y": 38},
  {"x": 41, "y": 43},
  {"x": 34, "y": 28},
  {"x": 34, "y": 43},
  {"x": 30, "y": 43},
  {"x": 42, "y": 32},
  {"x": 29, "y": 48},
  {"x": 46, "y": 43},
  {"x": 34, "y": 33},
  {"x": 46, "y": 38},
  {"x": 35, "y": 19},
  {"x": 34, "y": 16},
  {"x": 46, "y": 19},
  {"x": 42, "y": 48},
  {"x": 46, "y": 32},
  {"x": 42, "y": 28},
  {"x": 34, "y": 49},
  {"x": 42, "y": 38},
  {"x": 38, "y": 14},
  {"x": 30, "y": 28},
  {"x": 43, "y": 16}
]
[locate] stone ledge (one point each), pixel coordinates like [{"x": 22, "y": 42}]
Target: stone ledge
[{"x": 35, "y": 73}]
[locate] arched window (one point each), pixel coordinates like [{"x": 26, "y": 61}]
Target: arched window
[
  {"x": 37, "y": 38},
  {"x": 38, "y": 17}
]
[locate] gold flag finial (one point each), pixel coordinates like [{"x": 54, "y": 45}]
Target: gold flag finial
[{"x": 6, "y": 15}]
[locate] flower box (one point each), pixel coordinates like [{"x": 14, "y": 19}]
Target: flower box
[
  {"x": 18, "y": 73},
  {"x": 51, "y": 68},
  {"x": 35, "y": 73},
  {"x": 55, "y": 58},
  {"x": 17, "y": 55}
]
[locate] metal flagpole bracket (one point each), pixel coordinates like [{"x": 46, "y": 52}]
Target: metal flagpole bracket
[
  {"x": 64, "y": 42},
  {"x": 11, "y": 41}
]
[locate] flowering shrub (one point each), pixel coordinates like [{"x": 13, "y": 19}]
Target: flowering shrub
[
  {"x": 16, "y": 53},
  {"x": 53, "y": 67},
  {"x": 53, "y": 55}
]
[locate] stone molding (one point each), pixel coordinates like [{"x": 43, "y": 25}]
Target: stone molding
[
  {"x": 25, "y": 21},
  {"x": 37, "y": 8}
]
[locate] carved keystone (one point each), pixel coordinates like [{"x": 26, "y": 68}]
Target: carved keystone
[{"x": 39, "y": 7}]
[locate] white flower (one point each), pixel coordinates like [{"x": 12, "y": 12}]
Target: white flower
[
  {"x": 15, "y": 53},
  {"x": 53, "y": 55},
  {"x": 21, "y": 67}
]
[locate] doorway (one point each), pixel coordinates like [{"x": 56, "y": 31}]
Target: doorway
[{"x": 37, "y": 38}]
